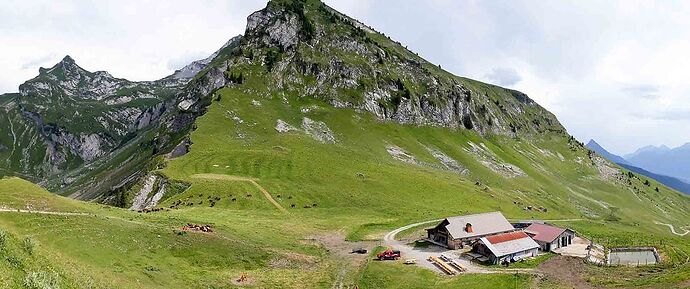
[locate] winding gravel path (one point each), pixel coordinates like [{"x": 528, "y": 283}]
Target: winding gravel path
[{"x": 673, "y": 229}]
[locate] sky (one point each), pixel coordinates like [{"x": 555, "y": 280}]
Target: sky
[{"x": 613, "y": 71}]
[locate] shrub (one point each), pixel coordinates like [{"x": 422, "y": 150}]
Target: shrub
[
  {"x": 14, "y": 261},
  {"x": 41, "y": 280},
  {"x": 3, "y": 239},
  {"x": 29, "y": 245}
]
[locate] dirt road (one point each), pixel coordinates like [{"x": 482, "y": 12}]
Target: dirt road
[
  {"x": 422, "y": 254},
  {"x": 673, "y": 229},
  {"x": 42, "y": 212}
]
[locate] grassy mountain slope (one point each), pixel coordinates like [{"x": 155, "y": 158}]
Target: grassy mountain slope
[{"x": 671, "y": 182}]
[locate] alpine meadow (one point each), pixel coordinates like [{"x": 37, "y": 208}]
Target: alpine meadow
[{"x": 310, "y": 135}]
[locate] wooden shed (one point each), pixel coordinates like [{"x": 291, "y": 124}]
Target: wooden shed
[{"x": 550, "y": 237}]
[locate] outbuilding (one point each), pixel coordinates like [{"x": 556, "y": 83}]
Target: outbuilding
[
  {"x": 511, "y": 247},
  {"x": 456, "y": 232},
  {"x": 550, "y": 237}
]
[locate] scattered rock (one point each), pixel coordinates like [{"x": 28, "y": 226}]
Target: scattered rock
[
  {"x": 448, "y": 162},
  {"x": 318, "y": 130},
  {"x": 490, "y": 160},
  {"x": 283, "y": 127},
  {"x": 401, "y": 155}
]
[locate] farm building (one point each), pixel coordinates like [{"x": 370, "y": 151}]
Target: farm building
[
  {"x": 456, "y": 232},
  {"x": 511, "y": 246},
  {"x": 550, "y": 237}
]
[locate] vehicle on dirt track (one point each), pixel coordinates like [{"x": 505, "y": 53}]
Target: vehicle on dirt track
[{"x": 388, "y": 255}]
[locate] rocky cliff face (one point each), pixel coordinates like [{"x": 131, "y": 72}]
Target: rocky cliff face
[{"x": 311, "y": 48}]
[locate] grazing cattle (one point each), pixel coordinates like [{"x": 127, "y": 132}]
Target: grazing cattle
[
  {"x": 249, "y": 195},
  {"x": 234, "y": 199},
  {"x": 313, "y": 205},
  {"x": 292, "y": 206}
]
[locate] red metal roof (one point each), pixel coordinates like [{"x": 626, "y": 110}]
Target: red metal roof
[
  {"x": 544, "y": 233},
  {"x": 505, "y": 237}
]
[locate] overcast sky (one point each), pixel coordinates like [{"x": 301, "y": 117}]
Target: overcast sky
[{"x": 615, "y": 71}]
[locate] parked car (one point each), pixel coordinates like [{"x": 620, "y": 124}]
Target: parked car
[{"x": 388, "y": 255}]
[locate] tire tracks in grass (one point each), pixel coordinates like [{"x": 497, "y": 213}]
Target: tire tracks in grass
[{"x": 242, "y": 179}]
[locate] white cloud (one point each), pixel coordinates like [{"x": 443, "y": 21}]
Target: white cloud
[{"x": 504, "y": 76}]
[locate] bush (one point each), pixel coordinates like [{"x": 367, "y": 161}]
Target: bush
[
  {"x": 41, "y": 280},
  {"x": 29, "y": 245},
  {"x": 3, "y": 239}
]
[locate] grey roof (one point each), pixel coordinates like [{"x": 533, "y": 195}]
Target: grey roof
[{"x": 482, "y": 225}]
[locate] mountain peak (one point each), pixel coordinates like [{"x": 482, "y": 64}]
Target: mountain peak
[
  {"x": 66, "y": 68},
  {"x": 596, "y": 147},
  {"x": 68, "y": 60}
]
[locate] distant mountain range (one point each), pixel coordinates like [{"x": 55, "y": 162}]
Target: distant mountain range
[
  {"x": 651, "y": 158},
  {"x": 673, "y": 162}
]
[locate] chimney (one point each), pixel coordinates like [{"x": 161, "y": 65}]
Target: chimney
[{"x": 468, "y": 228}]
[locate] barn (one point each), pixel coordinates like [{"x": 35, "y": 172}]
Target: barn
[
  {"x": 511, "y": 246},
  {"x": 550, "y": 237},
  {"x": 456, "y": 232}
]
